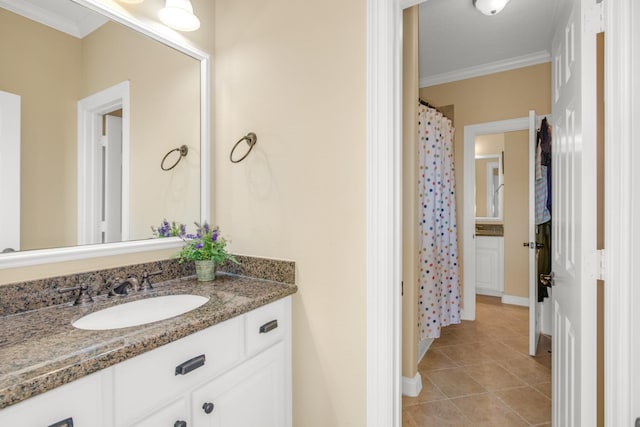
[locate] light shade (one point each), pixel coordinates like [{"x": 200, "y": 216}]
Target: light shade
[
  {"x": 490, "y": 7},
  {"x": 178, "y": 14}
]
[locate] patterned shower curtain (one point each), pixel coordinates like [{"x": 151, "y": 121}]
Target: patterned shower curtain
[{"x": 439, "y": 284}]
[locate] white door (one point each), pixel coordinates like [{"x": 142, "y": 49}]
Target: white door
[
  {"x": 10, "y": 171},
  {"x": 534, "y": 315},
  {"x": 112, "y": 197},
  {"x": 573, "y": 213}
]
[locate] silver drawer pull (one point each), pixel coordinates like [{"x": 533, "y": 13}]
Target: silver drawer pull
[
  {"x": 191, "y": 364},
  {"x": 64, "y": 423},
  {"x": 269, "y": 326}
]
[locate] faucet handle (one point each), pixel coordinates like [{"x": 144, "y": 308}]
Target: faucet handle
[
  {"x": 133, "y": 281},
  {"x": 146, "y": 283},
  {"x": 83, "y": 297}
]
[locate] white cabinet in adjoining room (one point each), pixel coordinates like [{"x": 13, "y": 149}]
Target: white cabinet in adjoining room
[{"x": 490, "y": 265}]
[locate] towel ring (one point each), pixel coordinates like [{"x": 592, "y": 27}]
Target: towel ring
[
  {"x": 251, "y": 139},
  {"x": 184, "y": 150}
]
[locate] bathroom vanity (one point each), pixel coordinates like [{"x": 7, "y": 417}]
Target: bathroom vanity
[{"x": 226, "y": 363}]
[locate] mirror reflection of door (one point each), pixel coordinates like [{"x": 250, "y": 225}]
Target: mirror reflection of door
[
  {"x": 10, "y": 171},
  {"x": 103, "y": 165},
  {"x": 111, "y": 199}
]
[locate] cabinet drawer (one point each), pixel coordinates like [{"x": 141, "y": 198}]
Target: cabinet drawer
[
  {"x": 80, "y": 400},
  {"x": 267, "y": 325},
  {"x": 146, "y": 382}
]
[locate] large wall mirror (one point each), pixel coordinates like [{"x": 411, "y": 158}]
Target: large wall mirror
[
  {"x": 489, "y": 177},
  {"x": 94, "y": 100},
  {"x": 488, "y": 185}
]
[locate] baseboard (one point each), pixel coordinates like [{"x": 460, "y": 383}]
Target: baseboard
[
  {"x": 513, "y": 300},
  {"x": 488, "y": 292},
  {"x": 423, "y": 346},
  {"x": 412, "y": 386}
]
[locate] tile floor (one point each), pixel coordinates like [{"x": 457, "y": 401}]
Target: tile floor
[{"x": 480, "y": 374}]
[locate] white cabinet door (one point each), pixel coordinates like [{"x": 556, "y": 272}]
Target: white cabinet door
[
  {"x": 175, "y": 414},
  {"x": 489, "y": 265},
  {"x": 251, "y": 395},
  {"x": 79, "y": 402}
]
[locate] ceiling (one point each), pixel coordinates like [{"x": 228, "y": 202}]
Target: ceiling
[{"x": 458, "y": 42}]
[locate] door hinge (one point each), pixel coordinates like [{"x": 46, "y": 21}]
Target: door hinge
[
  {"x": 103, "y": 141},
  {"x": 594, "y": 18},
  {"x": 402, "y": 288},
  {"x": 601, "y": 264}
]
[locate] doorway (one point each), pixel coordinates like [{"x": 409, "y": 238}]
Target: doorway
[{"x": 103, "y": 166}]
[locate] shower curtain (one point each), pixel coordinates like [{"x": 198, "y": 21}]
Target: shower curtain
[{"x": 439, "y": 284}]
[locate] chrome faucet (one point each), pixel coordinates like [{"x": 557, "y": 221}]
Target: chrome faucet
[{"x": 121, "y": 287}]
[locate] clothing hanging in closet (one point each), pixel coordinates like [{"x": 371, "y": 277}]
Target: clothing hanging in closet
[{"x": 543, "y": 205}]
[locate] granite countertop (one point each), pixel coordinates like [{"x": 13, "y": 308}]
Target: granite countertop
[{"x": 41, "y": 350}]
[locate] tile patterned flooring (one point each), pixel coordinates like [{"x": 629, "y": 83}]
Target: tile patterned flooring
[{"x": 480, "y": 374}]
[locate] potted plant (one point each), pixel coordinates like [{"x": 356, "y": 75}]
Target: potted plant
[
  {"x": 167, "y": 229},
  {"x": 207, "y": 249}
]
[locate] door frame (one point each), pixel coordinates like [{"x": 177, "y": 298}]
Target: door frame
[
  {"x": 90, "y": 112},
  {"x": 622, "y": 345},
  {"x": 384, "y": 173}
]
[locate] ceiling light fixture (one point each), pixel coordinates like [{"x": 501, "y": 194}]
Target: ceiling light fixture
[
  {"x": 490, "y": 7},
  {"x": 178, "y": 14}
]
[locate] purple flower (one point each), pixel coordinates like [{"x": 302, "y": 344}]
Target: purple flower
[
  {"x": 206, "y": 228},
  {"x": 199, "y": 245},
  {"x": 214, "y": 236}
]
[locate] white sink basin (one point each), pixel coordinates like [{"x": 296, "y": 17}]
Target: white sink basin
[{"x": 139, "y": 312}]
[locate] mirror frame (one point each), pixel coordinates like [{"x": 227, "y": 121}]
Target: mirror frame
[
  {"x": 498, "y": 159},
  {"x": 71, "y": 253}
]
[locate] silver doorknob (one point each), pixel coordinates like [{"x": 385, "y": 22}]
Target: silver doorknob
[
  {"x": 547, "y": 279},
  {"x": 533, "y": 245}
]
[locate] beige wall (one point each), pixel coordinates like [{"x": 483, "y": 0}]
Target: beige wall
[
  {"x": 516, "y": 213},
  {"x": 48, "y": 126},
  {"x": 499, "y": 96},
  {"x": 295, "y": 74},
  {"x": 410, "y": 194}
]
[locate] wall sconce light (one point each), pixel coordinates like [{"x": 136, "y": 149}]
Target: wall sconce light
[
  {"x": 490, "y": 7},
  {"x": 178, "y": 14}
]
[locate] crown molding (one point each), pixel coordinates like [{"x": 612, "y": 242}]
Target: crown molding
[
  {"x": 490, "y": 68},
  {"x": 82, "y": 25}
]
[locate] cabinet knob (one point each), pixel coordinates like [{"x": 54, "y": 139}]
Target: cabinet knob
[
  {"x": 208, "y": 407},
  {"x": 180, "y": 423}
]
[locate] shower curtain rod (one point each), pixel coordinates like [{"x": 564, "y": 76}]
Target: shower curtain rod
[{"x": 426, "y": 104}]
